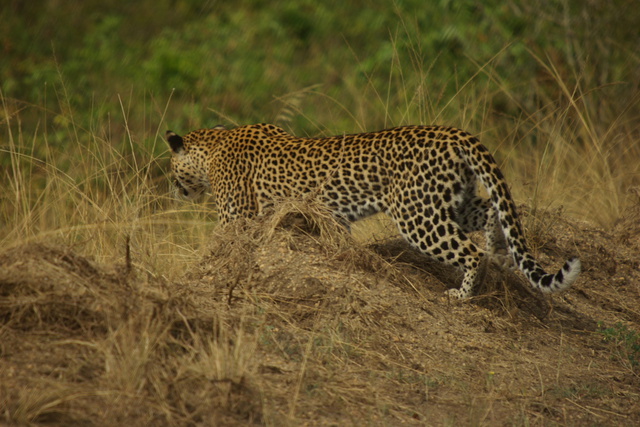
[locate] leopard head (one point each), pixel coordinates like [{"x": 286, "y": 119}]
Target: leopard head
[{"x": 188, "y": 165}]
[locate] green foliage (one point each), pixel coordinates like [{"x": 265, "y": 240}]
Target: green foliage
[
  {"x": 120, "y": 73},
  {"x": 236, "y": 57},
  {"x": 625, "y": 343}
]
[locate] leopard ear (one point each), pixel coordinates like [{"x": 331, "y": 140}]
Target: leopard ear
[
  {"x": 175, "y": 141},
  {"x": 219, "y": 127}
]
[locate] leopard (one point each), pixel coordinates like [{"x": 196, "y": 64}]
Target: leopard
[{"x": 425, "y": 178}]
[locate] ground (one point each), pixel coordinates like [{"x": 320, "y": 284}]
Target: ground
[{"x": 288, "y": 320}]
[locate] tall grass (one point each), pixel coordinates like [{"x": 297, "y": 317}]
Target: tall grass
[
  {"x": 107, "y": 185},
  {"x": 107, "y": 196},
  {"x": 577, "y": 151}
]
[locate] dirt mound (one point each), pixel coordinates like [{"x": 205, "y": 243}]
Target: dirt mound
[
  {"x": 44, "y": 285},
  {"x": 287, "y": 320}
]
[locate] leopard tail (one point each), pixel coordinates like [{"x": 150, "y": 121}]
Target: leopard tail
[{"x": 493, "y": 180}]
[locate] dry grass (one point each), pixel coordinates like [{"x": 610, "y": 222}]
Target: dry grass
[{"x": 288, "y": 320}]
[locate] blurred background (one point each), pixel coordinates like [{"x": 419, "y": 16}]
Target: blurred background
[{"x": 551, "y": 86}]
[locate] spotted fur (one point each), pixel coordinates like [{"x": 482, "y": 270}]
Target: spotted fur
[{"x": 423, "y": 177}]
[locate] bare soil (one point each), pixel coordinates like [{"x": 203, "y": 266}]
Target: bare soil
[{"x": 287, "y": 320}]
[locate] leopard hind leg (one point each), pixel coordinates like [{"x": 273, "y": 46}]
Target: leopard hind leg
[
  {"x": 477, "y": 214},
  {"x": 439, "y": 236}
]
